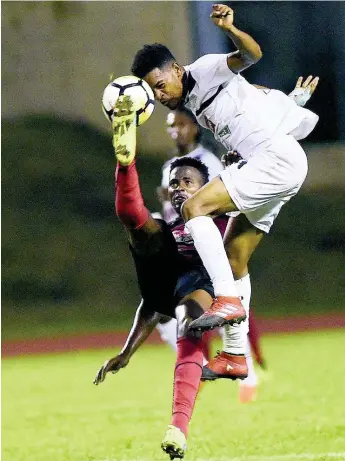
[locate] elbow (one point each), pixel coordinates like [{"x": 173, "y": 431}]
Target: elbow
[
  {"x": 253, "y": 57},
  {"x": 257, "y": 55}
]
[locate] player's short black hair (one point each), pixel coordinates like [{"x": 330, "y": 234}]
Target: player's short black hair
[
  {"x": 195, "y": 163},
  {"x": 149, "y": 57},
  {"x": 190, "y": 115}
]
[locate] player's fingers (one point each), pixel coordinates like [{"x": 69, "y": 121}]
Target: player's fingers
[
  {"x": 313, "y": 84},
  {"x": 220, "y": 11},
  {"x": 299, "y": 82},
  {"x": 225, "y": 11},
  {"x": 98, "y": 379},
  {"x": 307, "y": 81}
]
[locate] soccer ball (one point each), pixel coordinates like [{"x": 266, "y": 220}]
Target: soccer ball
[{"x": 139, "y": 92}]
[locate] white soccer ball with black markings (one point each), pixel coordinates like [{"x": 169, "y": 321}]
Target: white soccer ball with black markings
[{"x": 139, "y": 92}]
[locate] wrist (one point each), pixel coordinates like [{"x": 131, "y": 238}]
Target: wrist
[
  {"x": 231, "y": 30},
  {"x": 125, "y": 354}
]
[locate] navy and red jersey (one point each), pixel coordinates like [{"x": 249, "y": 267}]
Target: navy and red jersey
[{"x": 185, "y": 242}]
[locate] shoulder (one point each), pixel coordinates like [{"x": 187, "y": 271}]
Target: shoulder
[
  {"x": 208, "y": 64},
  {"x": 210, "y": 71},
  {"x": 207, "y": 61}
]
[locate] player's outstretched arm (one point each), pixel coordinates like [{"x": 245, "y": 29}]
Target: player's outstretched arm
[
  {"x": 249, "y": 51},
  {"x": 302, "y": 91},
  {"x": 144, "y": 322}
]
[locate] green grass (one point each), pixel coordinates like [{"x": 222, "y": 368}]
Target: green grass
[{"x": 52, "y": 412}]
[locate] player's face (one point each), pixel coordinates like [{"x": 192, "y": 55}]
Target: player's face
[
  {"x": 183, "y": 130},
  {"x": 166, "y": 84},
  {"x": 184, "y": 182}
]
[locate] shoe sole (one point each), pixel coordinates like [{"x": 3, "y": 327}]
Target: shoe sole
[
  {"x": 124, "y": 116},
  {"x": 216, "y": 322},
  {"x": 173, "y": 450},
  {"x": 218, "y": 376}
]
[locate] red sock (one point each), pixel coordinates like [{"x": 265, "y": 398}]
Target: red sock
[
  {"x": 206, "y": 340},
  {"x": 186, "y": 381},
  {"x": 129, "y": 203},
  {"x": 254, "y": 339}
]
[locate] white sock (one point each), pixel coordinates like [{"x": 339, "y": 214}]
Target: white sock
[
  {"x": 209, "y": 244},
  {"x": 168, "y": 332},
  {"x": 235, "y": 336},
  {"x": 251, "y": 379}
]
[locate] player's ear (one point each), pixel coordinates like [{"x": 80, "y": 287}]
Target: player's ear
[{"x": 177, "y": 69}]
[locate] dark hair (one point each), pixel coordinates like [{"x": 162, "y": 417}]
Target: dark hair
[
  {"x": 193, "y": 162},
  {"x": 191, "y": 116},
  {"x": 149, "y": 57}
]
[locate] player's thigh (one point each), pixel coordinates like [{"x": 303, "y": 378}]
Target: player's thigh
[
  {"x": 240, "y": 240},
  {"x": 191, "y": 307},
  {"x": 212, "y": 200},
  {"x": 261, "y": 185},
  {"x": 158, "y": 272}
]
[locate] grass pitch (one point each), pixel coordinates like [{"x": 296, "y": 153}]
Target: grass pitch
[{"x": 52, "y": 411}]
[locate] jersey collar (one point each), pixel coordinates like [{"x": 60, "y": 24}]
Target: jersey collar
[{"x": 188, "y": 84}]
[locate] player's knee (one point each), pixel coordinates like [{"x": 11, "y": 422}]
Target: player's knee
[{"x": 192, "y": 208}]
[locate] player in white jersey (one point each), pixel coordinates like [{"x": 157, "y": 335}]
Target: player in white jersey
[{"x": 262, "y": 131}]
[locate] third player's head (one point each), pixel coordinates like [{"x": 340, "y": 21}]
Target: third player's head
[
  {"x": 187, "y": 175},
  {"x": 184, "y": 130},
  {"x": 158, "y": 67}
]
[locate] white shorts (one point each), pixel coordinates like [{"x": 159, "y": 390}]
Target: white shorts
[{"x": 260, "y": 186}]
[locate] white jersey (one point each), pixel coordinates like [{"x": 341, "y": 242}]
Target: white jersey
[
  {"x": 212, "y": 162},
  {"x": 242, "y": 117},
  {"x": 306, "y": 119}
]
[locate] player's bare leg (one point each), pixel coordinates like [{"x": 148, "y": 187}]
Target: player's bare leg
[
  {"x": 240, "y": 240},
  {"x": 188, "y": 369},
  {"x": 210, "y": 201}
]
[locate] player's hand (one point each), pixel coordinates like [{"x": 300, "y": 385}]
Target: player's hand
[
  {"x": 112, "y": 365},
  {"x": 222, "y": 16},
  {"x": 230, "y": 157},
  {"x": 303, "y": 90},
  {"x": 309, "y": 84}
]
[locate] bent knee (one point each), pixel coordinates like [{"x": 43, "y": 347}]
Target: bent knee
[{"x": 192, "y": 208}]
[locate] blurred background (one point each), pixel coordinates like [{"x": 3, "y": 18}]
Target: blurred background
[{"x": 66, "y": 266}]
